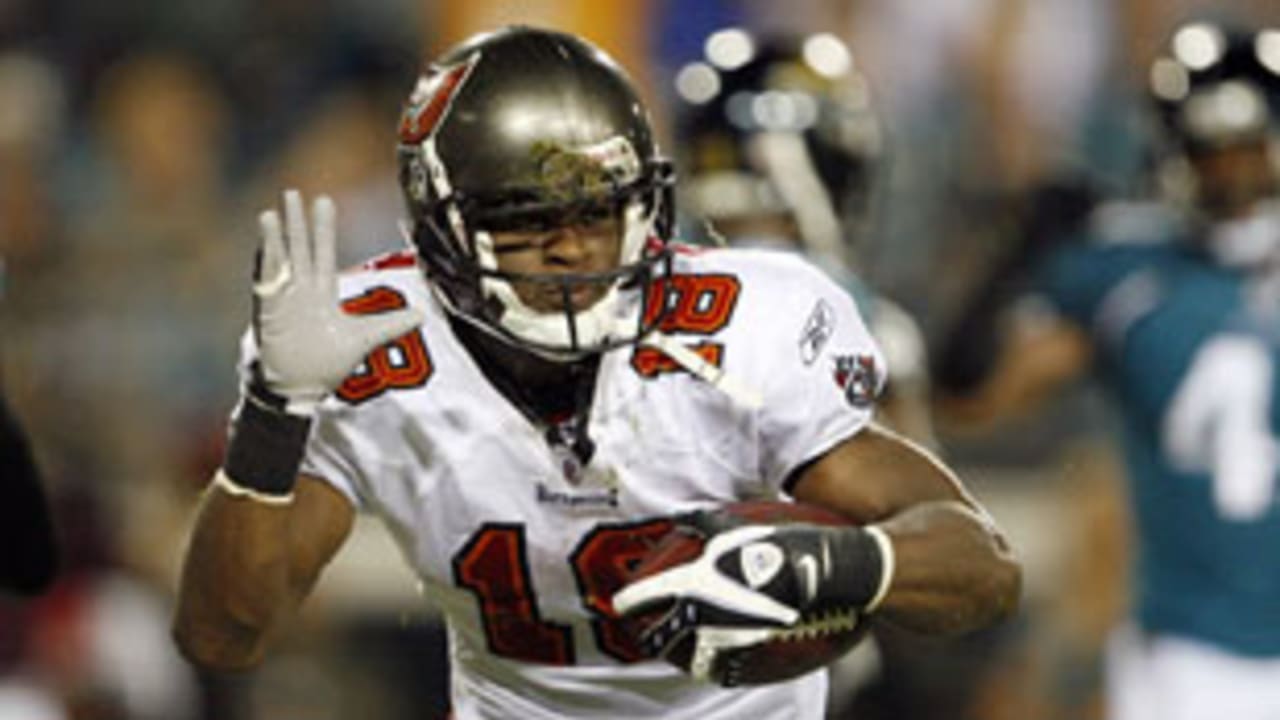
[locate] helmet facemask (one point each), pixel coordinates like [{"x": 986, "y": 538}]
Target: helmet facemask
[{"x": 543, "y": 312}]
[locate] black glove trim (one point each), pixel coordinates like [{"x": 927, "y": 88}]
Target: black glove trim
[
  {"x": 828, "y": 567},
  {"x": 858, "y": 560}
]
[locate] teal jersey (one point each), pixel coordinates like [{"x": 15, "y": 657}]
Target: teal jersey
[{"x": 1188, "y": 352}]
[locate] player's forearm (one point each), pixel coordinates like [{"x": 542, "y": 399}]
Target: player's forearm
[
  {"x": 953, "y": 571},
  {"x": 235, "y": 582}
]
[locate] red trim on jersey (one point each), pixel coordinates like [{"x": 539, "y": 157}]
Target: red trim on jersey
[
  {"x": 410, "y": 368},
  {"x": 696, "y": 303},
  {"x": 390, "y": 261},
  {"x": 681, "y": 248}
]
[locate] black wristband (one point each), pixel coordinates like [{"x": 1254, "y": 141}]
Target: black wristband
[
  {"x": 266, "y": 448},
  {"x": 857, "y": 568}
]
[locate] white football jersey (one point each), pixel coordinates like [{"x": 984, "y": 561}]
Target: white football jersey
[{"x": 521, "y": 547}]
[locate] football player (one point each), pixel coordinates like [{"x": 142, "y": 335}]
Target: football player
[
  {"x": 1175, "y": 306},
  {"x": 529, "y": 399},
  {"x": 779, "y": 147}
]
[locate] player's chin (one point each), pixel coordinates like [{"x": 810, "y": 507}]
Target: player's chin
[{"x": 553, "y": 300}]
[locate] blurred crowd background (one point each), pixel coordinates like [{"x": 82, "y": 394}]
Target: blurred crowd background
[{"x": 139, "y": 138}]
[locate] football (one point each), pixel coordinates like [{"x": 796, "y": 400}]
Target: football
[{"x": 817, "y": 639}]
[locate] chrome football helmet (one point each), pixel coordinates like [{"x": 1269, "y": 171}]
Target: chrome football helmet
[
  {"x": 529, "y": 130},
  {"x": 780, "y": 125}
]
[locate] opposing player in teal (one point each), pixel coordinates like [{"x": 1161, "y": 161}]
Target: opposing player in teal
[{"x": 1174, "y": 304}]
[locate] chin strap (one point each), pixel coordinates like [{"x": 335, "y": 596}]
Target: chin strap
[{"x": 742, "y": 394}]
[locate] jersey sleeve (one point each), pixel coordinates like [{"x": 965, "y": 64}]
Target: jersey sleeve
[
  {"x": 825, "y": 373},
  {"x": 330, "y": 443}
]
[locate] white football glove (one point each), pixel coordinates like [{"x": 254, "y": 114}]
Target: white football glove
[
  {"x": 701, "y": 580},
  {"x": 754, "y": 582},
  {"x": 307, "y": 342},
  {"x": 722, "y": 612}
]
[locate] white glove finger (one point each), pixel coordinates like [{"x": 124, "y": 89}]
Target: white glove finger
[
  {"x": 700, "y": 580},
  {"x": 647, "y": 591},
  {"x": 273, "y": 267},
  {"x": 668, "y": 584},
  {"x": 324, "y": 220},
  {"x": 684, "y": 579},
  {"x": 737, "y": 537},
  {"x": 693, "y": 582},
  {"x": 376, "y": 330},
  {"x": 295, "y": 230}
]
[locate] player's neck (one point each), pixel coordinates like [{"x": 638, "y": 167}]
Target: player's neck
[{"x": 543, "y": 389}]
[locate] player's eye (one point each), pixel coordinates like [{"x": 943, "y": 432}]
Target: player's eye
[{"x": 523, "y": 243}]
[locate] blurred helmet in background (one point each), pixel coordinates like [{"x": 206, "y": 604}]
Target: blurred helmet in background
[
  {"x": 778, "y": 127},
  {"x": 528, "y": 130},
  {"x": 1216, "y": 93}
]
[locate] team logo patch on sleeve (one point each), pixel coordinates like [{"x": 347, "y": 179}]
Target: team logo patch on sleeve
[
  {"x": 818, "y": 329},
  {"x": 859, "y": 378}
]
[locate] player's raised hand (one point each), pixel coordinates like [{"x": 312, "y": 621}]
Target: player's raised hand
[{"x": 307, "y": 342}]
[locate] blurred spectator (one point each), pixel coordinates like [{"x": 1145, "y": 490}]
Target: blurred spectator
[
  {"x": 343, "y": 151},
  {"x": 96, "y": 646},
  {"x": 111, "y": 324},
  {"x": 979, "y": 96},
  {"x": 140, "y": 291},
  {"x": 30, "y": 129},
  {"x": 288, "y": 55}
]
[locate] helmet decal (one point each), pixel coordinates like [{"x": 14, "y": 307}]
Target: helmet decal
[
  {"x": 431, "y": 99},
  {"x": 569, "y": 174}
]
